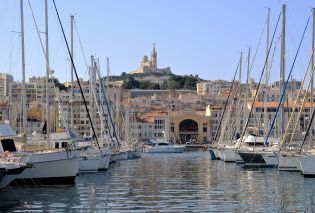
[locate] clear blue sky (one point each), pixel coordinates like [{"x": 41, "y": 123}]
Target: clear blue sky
[{"x": 200, "y": 37}]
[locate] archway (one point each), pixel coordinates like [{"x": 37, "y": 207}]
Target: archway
[{"x": 188, "y": 131}]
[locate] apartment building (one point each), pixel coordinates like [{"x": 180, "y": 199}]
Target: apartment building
[{"x": 5, "y": 82}]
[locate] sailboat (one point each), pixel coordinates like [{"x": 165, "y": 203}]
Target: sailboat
[
  {"x": 253, "y": 148},
  {"x": 217, "y": 150},
  {"x": 51, "y": 166}
]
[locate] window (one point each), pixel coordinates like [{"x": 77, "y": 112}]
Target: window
[
  {"x": 64, "y": 144},
  {"x": 204, "y": 129},
  {"x": 56, "y": 145}
]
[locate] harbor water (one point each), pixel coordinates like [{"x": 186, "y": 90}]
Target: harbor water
[{"x": 185, "y": 182}]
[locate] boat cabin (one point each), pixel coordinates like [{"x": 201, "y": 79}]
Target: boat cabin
[{"x": 6, "y": 138}]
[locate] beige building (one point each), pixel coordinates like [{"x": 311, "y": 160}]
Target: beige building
[
  {"x": 179, "y": 127},
  {"x": 191, "y": 126},
  {"x": 41, "y": 88},
  {"x": 16, "y": 92},
  {"x": 213, "y": 87},
  {"x": 5, "y": 82}
]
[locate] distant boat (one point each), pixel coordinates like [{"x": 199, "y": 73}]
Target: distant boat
[{"x": 165, "y": 147}]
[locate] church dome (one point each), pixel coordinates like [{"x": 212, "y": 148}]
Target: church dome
[{"x": 145, "y": 58}]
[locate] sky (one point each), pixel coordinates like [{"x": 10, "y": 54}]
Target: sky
[{"x": 198, "y": 37}]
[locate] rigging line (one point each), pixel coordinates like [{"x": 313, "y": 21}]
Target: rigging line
[
  {"x": 103, "y": 111},
  {"x": 259, "y": 83},
  {"x": 87, "y": 67},
  {"x": 96, "y": 98},
  {"x": 286, "y": 84},
  {"x": 297, "y": 99},
  {"x": 108, "y": 108},
  {"x": 256, "y": 51},
  {"x": 76, "y": 74},
  {"x": 260, "y": 114},
  {"x": 310, "y": 123},
  {"x": 226, "y": 103},
  {"x": 52, "y": 77},
  {"x": 81, "y": 46},
  {"x": 302, "y": 105}
]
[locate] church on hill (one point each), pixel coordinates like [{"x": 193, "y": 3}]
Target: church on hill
[{"x": 150, "y": 66}]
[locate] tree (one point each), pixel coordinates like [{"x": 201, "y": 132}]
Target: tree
[
  {"x": 172, "y": 84},
  {"x": 131, "y": 83},
  {"x": 59, "y": 85}
]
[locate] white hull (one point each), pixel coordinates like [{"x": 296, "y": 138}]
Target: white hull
[
  {"x": 113, "y": 157},
  {"x": 307, "y": 163},
  {"x": 130, "y": 154},
  {"x": 288, "y": 163},
  {"x": 123, "y": 155},
  {"x": 271, "y": 159},
  {"x": 216, "y": 153},
  {"x": 166, "y": 149},
  {"x": 50, "y": 167},
  {"x": 104, "y": 160},
  {"x": 229, "y": 154},
  {"x": 89, "y": 161},
  {"x": 135, "y": 153}
]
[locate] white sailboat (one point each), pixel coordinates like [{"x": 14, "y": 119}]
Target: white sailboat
[{"x": 51, "y": 166}]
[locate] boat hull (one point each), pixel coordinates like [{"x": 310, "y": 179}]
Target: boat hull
[
  {"x": 165, "y": 149},
  {"x": 89, "y": 163},
  {"x": 47, "y": 168},
  {"x": 137, "y": 153},
  {"x": 113, "y": 157},
  {"x": 288, "y": 163},
  {"x": 271, "y": 159},
  {"x": 212, "y": 154},
  {"x": 104, "y": 159},
  {"x": 7, "y": 176},
  {"x": 252, "y": 159},
  {"x": 123, "y": 155},
  {"x": 307, "y": 163},
  {"x": 229, "y": 154}
]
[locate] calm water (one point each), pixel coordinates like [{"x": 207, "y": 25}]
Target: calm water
[{"x": 187, "y": 182}]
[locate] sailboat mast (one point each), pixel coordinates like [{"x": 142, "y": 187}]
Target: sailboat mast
[
  {"x": 24, "y": 110},
  {"x": 47, "y": 78},
  {"x": 90, "y": 90},
  {"x": 266, "y": 74},
  {"x": 101, "y": 100},
  {"x": 72, "y": 84},
  {"x": 108, "y": 73},
  {"x": 247, "y": 81},
  {"x": 312, "y": 67},
  {"x": 282, "y": 70},
  {"x": 239, "y": 128}
]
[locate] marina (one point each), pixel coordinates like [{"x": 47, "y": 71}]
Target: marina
[
  {"x": 175, "y": 182},
  {"x": 150, "y": 140}
]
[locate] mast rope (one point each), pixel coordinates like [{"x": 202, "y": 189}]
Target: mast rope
[
  {"x": 259, "y": 83},
  {"x": 76, "y": 74},
  {"x": 286, "y": 84},
  {"x": 51, "y": 74}
]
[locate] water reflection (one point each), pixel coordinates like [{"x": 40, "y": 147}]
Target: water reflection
[{"x": 173, "y": 182}]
